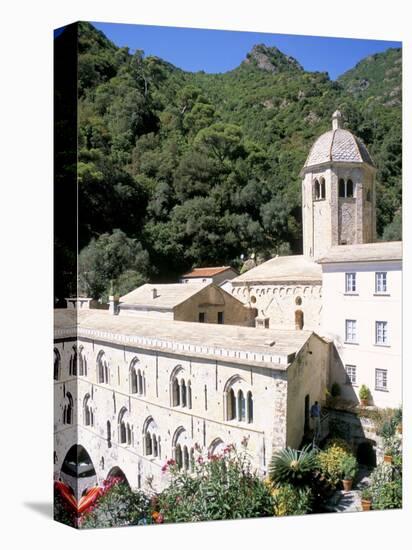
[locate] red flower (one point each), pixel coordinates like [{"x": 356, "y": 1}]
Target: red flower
[{"x": 160, "y": 518}]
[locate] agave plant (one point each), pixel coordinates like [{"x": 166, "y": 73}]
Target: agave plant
[{"x": 292, "y": 466}]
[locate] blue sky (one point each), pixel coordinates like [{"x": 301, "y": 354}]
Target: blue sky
[{"x": 219, "y": 51}]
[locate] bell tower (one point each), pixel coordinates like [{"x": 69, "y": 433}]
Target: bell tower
[{"x": 338, "y": 192}]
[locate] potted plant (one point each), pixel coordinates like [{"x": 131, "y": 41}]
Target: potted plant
[
  {"x": 391, "y": 447},
  {"x": 366, "y": 499},
  {"x": 364, "y": 395},
  {"x": 349, "y": 468}
]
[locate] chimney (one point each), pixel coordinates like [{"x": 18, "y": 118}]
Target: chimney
[
  {"x": 113, "y": 305},
  {"x": 262, "y": 322},
  {"x": 154, "y": 293},
  {"x": 78, "y": 302}
]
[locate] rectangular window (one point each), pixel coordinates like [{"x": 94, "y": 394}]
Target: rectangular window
[
  {"x": 381, "y": 379},
  {"x": 380, "y": 282},
  {"x": 201, "y": 317},
  {"x": 350, "y": 282},
  {"x": 350, "y": 331},
  {"x": 220, "y": 317},
  {"x": 350, "y": 374},
  {"x": 381, "y": 332}
]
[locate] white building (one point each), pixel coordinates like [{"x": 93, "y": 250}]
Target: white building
[
  {"x": 307, "y": 291},
  {"x": 361, "y": 313}
]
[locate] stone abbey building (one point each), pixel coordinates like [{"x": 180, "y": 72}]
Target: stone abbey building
[{"x": 171, "y": 368}]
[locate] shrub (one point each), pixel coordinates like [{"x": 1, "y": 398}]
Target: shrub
[
  {"x": 289, "y": 500},
  {"x": 339, "y": 443},
  {"x": 349, "y": 467},
  {"x": 392, "y": 445},
  {"x": 118, "y": 506},
  {"x": 221, "y": 487},
  {"x": 292, "y": 466},
  {"x": 364, "y": 392},
  {"x": 389, "y": 496},
  {"x": 330, "y": 460}
]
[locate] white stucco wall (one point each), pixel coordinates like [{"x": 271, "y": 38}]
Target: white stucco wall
[{"x": 365, "y": 307}]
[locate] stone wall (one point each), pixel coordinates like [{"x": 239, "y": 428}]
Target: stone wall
[
  {"x": 306, "y": 376},
  {"x": 279, "y": 302},
  {"x": 205, "y": 423},
  {"x": 210, "y": 301}
]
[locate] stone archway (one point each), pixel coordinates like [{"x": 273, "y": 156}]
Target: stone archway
[
  {"x": 118, "y": 472},
  {"x": 366, "y": 454},
  {"x": 78, "y": 471}
]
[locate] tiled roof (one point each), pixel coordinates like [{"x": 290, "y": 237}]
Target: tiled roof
[
  {"x": 338, "y": 145},
  {"x": 226, "y": 342},
  {"x": 282, "y": 269},
  {"x": 206, "y": 271},
  {"x": 367, "y": 252},
  {"x": 167, "y": 296}
]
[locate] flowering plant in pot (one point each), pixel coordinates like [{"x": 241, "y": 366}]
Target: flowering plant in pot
[
  {"x": 364, "y": 395},
  {"x": 366, "y": 499},
  {"x": 349, "y": 468},
  {"x": 391, "y": 448}
]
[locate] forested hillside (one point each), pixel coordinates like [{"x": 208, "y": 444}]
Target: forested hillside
[{"x": 178, "y": 169}]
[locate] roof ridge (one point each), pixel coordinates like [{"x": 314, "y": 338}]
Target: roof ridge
[{"x": 331, "y": 145}]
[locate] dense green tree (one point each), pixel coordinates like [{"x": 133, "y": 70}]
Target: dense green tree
[
  {"x": 113, "y": 261},
  {"x": 199, "y": 168}
]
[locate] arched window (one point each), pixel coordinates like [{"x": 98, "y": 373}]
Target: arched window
[
  {"x": 140, "y": 382},
  {"x": 238, "y": 400},
  {"x": 241, "y": 406},
  {"x": 186, "y": 462},
  {"x": 322, "y": 188},
  {"x": 249, "y": 407},
  {"x": 368, "y": 195},
  {"x": 73, "y": 363},
  {"x": 151, "y": 439},
  {"x": 68, "y": 409},
  {"x": 349, "y": 188},
  {"x": 154, "y": 444},
  {"x": 178, "y": 456},
  {"x": 82, "y": 363},
  {"x": 133, "y": 379},
  {"x": 102, "y": 369},
  {"x": 317, "y": 190},
  {"x": 298, "y": 319},
  {"x": 57, "y": 365},
  {"x": 109, "y": 434},
  {"x": 216, "y": 447},
  {"x": 176, "y": 393},
  {"x": 180, "y": 389},
  {"x": 183, "y": 393},
  {"x": 88, "y": 415},
  {"x": 124, "y": 428},
  {"x": 231, "y": 405},
  {"x": 341, "y": 188},
  {"x": 189, "y": 395},
  {"x": 182, "y": 448}
]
